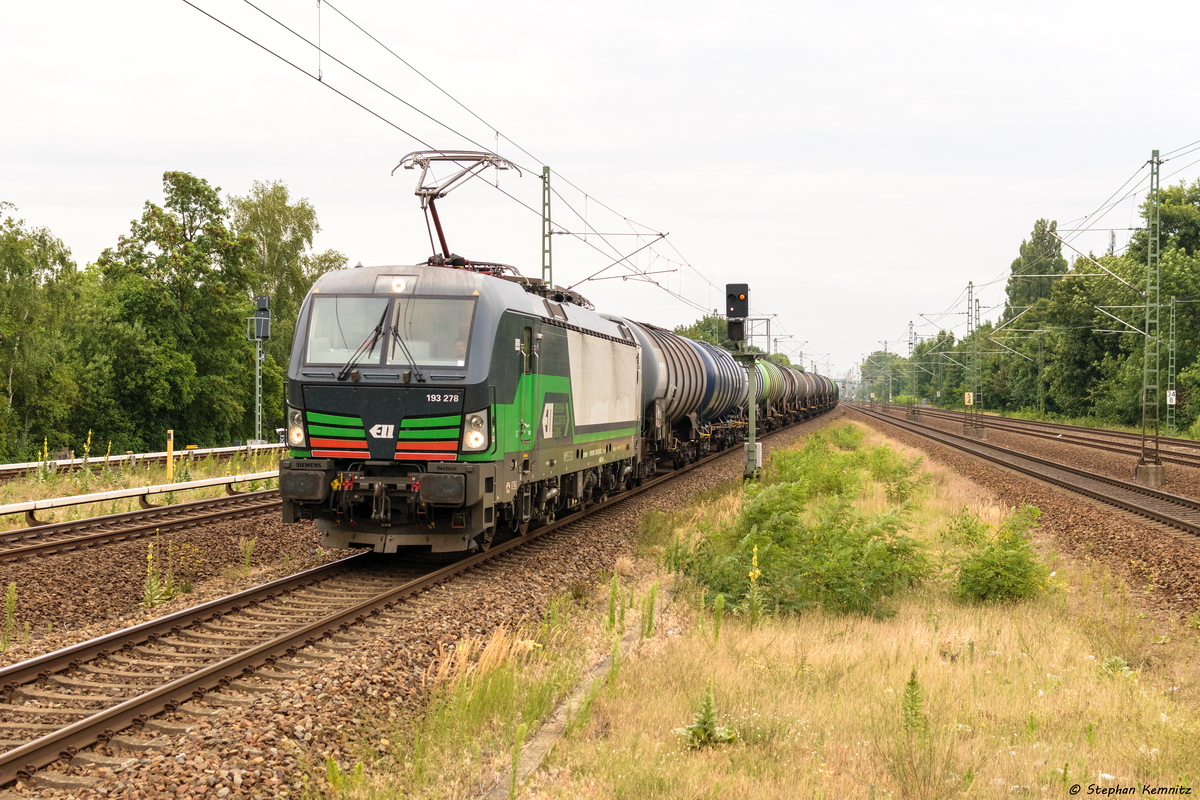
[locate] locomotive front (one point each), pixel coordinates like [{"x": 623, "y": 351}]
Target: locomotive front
[{"x": 388, "y": 409}]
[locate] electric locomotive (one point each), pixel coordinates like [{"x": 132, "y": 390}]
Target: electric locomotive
[{"x": 435, "y": 406}]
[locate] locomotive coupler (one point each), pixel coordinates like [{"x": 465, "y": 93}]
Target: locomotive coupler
[{"x": 381, "y": 504}]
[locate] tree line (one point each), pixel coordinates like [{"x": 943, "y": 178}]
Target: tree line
[
  {"x": 1070, "y": 340},
  {"x": 151, "y": 336},
  {"x": 713, "y": 329}
]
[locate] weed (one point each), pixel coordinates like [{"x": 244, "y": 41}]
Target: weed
[
  {"x": 912, "y": 708},
  {"x": 614, "y": 660},
  {"x": 614, "y": 589},
  {"x": 1007, "y": 568},
  {"x": 846, "y": 437},
  {"x": 161, "y": 583},
  {"x": 705, "y": 730},
  {"x": 246, "y": 547},
  {"x": 518, "y": 740},
  {"x": 84, "y": 476},
  {"x": 1117, "y": 667},
  {"x": 340, "y": 780},
  {"x": 922, "y": 761},
  {"x": 752, "y": 603},
  {"x": 718, "y": 615},
  {"x": 648, "y": 611},
  {"x": 45, "y": 469}
]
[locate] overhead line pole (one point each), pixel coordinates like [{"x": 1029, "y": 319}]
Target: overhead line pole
[
  {"x": 1149, "y": 470},
  {"x": 1171, "y": 397},
  {"x": 547, "y": 269}
]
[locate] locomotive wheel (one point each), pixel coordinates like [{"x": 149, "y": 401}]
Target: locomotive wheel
[{"x": 486, "y": 539}]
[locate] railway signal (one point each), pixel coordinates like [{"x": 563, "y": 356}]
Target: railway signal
[
  {"x": 737, "y": 296},
  {"x": 737, "y": 308},
  {"x": 258, "y": 330}
]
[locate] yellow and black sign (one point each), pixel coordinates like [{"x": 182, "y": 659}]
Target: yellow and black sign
[{"x": 969, "y": 398}]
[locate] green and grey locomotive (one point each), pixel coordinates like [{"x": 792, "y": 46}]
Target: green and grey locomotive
[{"x": 445, "y": 407}]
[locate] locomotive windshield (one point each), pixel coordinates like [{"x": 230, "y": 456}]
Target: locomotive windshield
[
  {"x": 339, "y": 325},
  {"x": 436, "y": 330}
]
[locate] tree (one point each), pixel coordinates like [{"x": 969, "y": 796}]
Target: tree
[
  {"x": 1179, "y": 220},
  {"x": 283, "y": 268},
  {"x": 709, "y": 328},
  {"x": 714, "y": 330},
  {"x": 1040, "y": 257},
  {"x": 178, "y": 287},
  {"x": 37, "y": 278}
]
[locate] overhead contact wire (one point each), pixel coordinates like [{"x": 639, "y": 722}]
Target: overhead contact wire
[{"x": 308, "y": 74}]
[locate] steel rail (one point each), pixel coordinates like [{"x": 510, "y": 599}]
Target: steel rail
[
  {"x": 1074, "y": 437},
  {"x": 141, "y": 524},
  {"x": 1112, "y": 491},
  {"x": 1023, "y": 426}
]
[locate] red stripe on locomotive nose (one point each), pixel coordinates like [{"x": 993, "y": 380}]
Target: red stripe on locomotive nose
[
  {"x": 409, "y": 447},
  {"x": 426, "y": 456},
  {"x": 342, "y": 443}
]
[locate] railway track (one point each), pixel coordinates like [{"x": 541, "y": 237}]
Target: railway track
[
  {"x": 62, "y": 702},
  {"x": 1181, "y": 513},
  {"x": 1171, "y": 450},
  {"x": 60, "y": 537}
]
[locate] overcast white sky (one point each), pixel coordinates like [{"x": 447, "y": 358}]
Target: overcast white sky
[{"x": 856, "y": 163}]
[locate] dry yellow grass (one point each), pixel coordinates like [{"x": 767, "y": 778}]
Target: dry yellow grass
[{"x": 1072, "y": 688}]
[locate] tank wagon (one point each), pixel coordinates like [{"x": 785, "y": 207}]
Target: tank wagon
[{"x": 448, "y": 407}]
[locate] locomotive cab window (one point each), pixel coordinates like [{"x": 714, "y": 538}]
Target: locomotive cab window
[
  {"x": 340, "y": 324},
  {"x": 435, "y": 331}
]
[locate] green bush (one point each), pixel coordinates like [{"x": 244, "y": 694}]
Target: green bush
[
  {"x": 820, "y": 470},
  {"x": 829, "y": 558},
  {"x": 966, "y": 531},
  {"x": 1007, "y": 568},
  {"x": 814, "y": 550},
  {"x": 847, "y": 437}
]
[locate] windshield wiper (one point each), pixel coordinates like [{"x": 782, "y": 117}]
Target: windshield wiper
[
  {"x": 366, "y": 348},
  {"x": 412, "y": 362}
]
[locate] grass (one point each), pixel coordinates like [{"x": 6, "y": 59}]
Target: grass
[
  {"x": 942, "y": 699},
  {"x": 938, "y": 697},
  {"x": 103, "y": 476}
]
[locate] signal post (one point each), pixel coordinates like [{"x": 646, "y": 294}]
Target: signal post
[{"x": 737, "y": 310}]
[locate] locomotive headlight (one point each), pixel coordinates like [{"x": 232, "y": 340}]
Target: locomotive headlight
[
  {"x": 475, "y": 431},
  {"x": 295, "y": 431}
]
